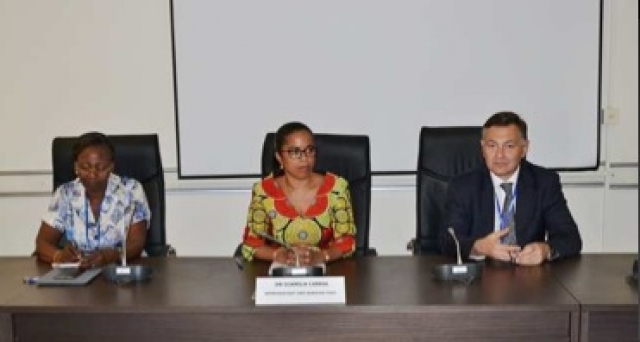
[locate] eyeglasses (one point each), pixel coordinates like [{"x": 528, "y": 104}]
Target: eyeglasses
[
  {"x": 297, "y": 153},
  {"x": 494, "y": 146},
  {"x": 97, "y": 168}
]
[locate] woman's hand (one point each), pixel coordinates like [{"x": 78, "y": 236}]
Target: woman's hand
[
  {"x": 308, "y": 255},
  {"x": 67, "y": 254},
  {"x": 99, "y": 258},
  {"x": 70, "y": 253},
  {"x": 281, "y": 255},
  {"x": 91, "y": 260}
]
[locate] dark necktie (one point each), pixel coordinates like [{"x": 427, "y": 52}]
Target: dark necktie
[{"x": 508, "y": 215}]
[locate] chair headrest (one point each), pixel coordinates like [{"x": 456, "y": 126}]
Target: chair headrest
[
  {"x": 449, "y": 151},
  {"x": 137, "y": 156},
  {"x": 347, "y": 156}
]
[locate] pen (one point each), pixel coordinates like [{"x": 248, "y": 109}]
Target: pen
[
  {"x": 77, "y": 251},
  {"x": 30, "y": 280}
]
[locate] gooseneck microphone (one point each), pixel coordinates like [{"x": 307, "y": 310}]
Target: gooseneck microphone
[
  {"x": 465, "y": 272},
  {"x": 123, "y": 273},
  {"x": 123, "y": 251},
  {"x": 281, "y": 270},
  {"x": 125, "y": 234},
  {"x": 455, "y": 239}
]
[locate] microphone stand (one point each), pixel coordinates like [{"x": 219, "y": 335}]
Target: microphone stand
[
  {"x": 466, "y": 272},
  {"x": 123, "y": 252},
  {"x": 124, "y": 274},
  {"x": 281, "y": 270}
]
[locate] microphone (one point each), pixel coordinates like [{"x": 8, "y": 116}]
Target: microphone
[
  {"x": 281, "y": 243},
  {"x": 123, "y": 273},
  {"x": 455, "y": 239},
  {"x": 280, "y": 270},
  {"x": 460, "y": 271},
  {"x": 123, "y": 251}
]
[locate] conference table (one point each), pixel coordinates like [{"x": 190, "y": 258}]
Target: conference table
[
  {"x": 609, "y": 301},
  {"x": 586, "y": 298}
]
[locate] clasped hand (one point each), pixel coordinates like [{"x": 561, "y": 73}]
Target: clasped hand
[
  {"x": 71, "y": 253},
  {"x": 307, "y": 255},
  {"x": 531, "y": 254}
]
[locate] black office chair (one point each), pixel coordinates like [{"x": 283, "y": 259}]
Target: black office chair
[
  {"x": 347, "y": 156},
  {"x": 444, "y": 153},
  {"x": 138, "y": 157}
]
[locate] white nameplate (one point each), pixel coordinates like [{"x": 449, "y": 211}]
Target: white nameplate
[{"x": 300, "y": 290}]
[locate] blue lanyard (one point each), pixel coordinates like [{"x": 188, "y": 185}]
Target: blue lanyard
[
  {"x": 510, "y": 208},
  {"x": 86, "y": 224}
]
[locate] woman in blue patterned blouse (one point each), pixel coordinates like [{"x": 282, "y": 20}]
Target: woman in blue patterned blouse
[{"x": 95, "y": 211}]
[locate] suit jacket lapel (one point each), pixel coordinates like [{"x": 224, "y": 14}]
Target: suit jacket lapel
[
  {"x": 487, "y": 205},
  {"x": 525, "y": 200}
]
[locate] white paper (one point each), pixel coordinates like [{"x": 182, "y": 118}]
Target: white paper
[{"x": 66, "y": 264}]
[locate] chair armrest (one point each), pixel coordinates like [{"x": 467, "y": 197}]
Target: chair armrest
[
  {"x": 371, "y": 252},
  {"x": 412, "y": 246},
  {"x": 365, "y": 253},
  {"x": 162, "y": 251}
]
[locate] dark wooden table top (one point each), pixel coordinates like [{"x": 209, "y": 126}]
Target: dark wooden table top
[
  {"x": 215, "y": 284},
  {"x": 585, "y": 297},
  {"x": 599, "y": 279},
  {"x": 12, "y": 272}
]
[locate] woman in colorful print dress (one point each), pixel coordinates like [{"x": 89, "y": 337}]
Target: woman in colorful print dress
[{"x": 300, "y": 207}]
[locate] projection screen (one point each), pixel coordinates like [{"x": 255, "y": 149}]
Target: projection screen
[{"x": 384, "y": 69}]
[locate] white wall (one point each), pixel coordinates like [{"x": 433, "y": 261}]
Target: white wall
[{"x": 108, "y": 65}]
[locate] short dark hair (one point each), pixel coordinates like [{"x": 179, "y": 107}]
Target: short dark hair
[
  {"x": 92, "y": 139},
  {"x": 505, "y": 119},
  {"x": 285, "y": 130},
  {"x": 278, "y": 142}
]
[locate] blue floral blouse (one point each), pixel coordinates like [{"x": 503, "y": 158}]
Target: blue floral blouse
[{"x": 124, "y": 204}]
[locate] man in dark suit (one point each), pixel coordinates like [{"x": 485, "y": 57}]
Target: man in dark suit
[{"x": 525, "y": 221}]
